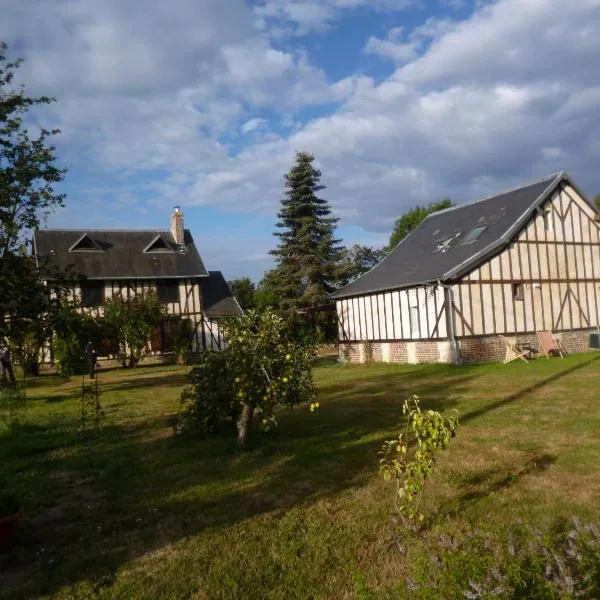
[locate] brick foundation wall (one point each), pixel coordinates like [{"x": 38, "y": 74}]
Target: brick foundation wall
[
  {"x": 472, "y": 350},
  {"x": 398, "y": 352},
  {"x": 492, "y": 348}
]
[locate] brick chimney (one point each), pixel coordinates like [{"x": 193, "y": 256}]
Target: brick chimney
[{"x": 177, "y": 226}]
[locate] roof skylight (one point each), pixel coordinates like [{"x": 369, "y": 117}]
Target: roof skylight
[{"x": 474, "y": 234}]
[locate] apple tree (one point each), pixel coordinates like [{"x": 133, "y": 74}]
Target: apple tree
[{"x": 261, "y": 368}]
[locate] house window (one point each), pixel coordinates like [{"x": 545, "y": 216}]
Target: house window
[
  {"x": 92, "y": 293},
  {"x": 517, "y": 290},
  {"x": 548, "y": 220},
  {"x": 474, "y": 234},
  {"x": 168, "y": 291},
  {"x": 414, "y": 319}
]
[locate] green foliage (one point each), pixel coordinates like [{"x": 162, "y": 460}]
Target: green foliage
[
  {"x": 308, "y": 255},
  {"x": 358, "y": 260},
  {"x": 27, "y": 179},
  {"x": 260, "y": 369},
  {"x": 597, "y": 201},
  {"x": 244, "y": 289},
  {"x": 524, "y": 563},
  {"x": 183, "y": 335},
  {"x": 265, "y": 295},
  {"x": 408, "y": 221},
  {"x": 128, "y": 324},
  {"x": 27, "y": 170},
  {"x": 72, "y": 330},
  {"x": 427, "y": 432},
  {"x": 209, "y": 402}
]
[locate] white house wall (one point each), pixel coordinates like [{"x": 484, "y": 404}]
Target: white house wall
[
  {"x": 207, "y": 333},
  {"x": 555, "y": 259},
  {"x": 411, "y": 314}
]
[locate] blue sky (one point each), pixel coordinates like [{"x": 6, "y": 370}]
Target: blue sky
[{"x": 202, "y": 104}]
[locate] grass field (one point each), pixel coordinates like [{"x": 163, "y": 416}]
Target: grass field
[{"x": 140, "y": 513}]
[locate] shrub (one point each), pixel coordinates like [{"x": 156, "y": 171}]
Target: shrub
[
  {"x": 209, "y": 402},
  {"x": 259, "y": 369},
  {"x": 426, "y": 433},
  {"x": 128, "y": 323}
]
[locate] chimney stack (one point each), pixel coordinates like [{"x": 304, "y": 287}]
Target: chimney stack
[{"x": 177, "y": 226}]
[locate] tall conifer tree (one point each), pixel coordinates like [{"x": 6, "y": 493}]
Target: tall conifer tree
[{"x": 308, "y": 254}]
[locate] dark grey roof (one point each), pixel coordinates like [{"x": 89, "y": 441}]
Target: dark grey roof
[
  {"x": 217, "y": 299},
  {"x": 113, "y": 254},
  {"x": 431, "y": 253}
]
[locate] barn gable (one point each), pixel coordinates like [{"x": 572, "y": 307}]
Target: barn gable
[{"x": 488, "y": 276}]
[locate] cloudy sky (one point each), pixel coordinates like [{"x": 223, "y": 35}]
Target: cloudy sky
[{"x": 203, "y": 103}]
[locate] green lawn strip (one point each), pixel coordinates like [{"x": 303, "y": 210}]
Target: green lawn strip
[{"x": 137, "y": 512}]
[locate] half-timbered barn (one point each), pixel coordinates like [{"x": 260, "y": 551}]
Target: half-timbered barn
[
  {"x": 520, "y": 262},
  {"x": 129, "y": 262}
]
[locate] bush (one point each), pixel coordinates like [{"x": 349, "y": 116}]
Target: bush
[
  {"x": 72, "y": 330},
  {"x": 259, "y": 369},
  {"x": 208, "y": 402}
]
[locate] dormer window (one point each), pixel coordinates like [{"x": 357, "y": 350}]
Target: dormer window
[
  {"x": 158, "y": 244},
  {"x": 85, "y": 244}
]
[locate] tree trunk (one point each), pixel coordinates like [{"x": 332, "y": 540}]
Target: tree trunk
[{"x": 244, "y": 424}]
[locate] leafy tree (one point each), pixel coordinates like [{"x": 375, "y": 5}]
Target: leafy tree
[
  {"x": 308, "y": 255},
  {"x": 260, "y": 368},
  {"x": 409, "y": 221},
  {"x": 183, "y": 336},
  {"x": 129, "y": 323},
  {"x": 72, "y": 329},
  {"x": 358, "y": 260},
  {"x": 597, "y": 201},
  {"x": 27, "y": 178},
  {"x": 244, "y": 289},
  {"x": 265, "y": 295}
]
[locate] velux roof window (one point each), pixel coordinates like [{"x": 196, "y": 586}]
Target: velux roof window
[{"x": 474, "y": 234}]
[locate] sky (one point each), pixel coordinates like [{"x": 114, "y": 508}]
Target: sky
[{"x": 203, "y": 104}]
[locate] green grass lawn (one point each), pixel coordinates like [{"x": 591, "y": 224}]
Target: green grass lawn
[{"x": 138, "y": 512}]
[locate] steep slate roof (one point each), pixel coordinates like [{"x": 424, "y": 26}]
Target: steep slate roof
[
  {"x": 422, "y": 257},
  {"x": 112, "y": 254},
  {"x": 217, "y": 299}
]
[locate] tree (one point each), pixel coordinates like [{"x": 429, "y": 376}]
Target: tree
[
  {"x": 243, "y": 289},
  {"x": 72, "y": 329},
  {"x": 27, "y": 170},
  {"x": 260, "y": 369},
  {"x": 129, "y": 323},
  {"x": 308, "y": 255},
  {"x": 27, "y": 178},
  {"x": 358, "y": 260},
  {"x": 408, "y": 221},
  {"x": 597, "y": 201}
]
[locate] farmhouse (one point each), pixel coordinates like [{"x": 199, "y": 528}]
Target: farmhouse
[
  {"x": 128, "y": 262},
  {"x": 520, "y": 262}
]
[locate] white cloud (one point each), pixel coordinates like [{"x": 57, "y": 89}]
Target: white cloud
[
  {"x": 299, "y": 17},
  {"x": 253, "y": 125},
  {"x": 507, "y": 95}
]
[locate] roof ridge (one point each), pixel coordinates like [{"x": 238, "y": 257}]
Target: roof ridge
[
  {"x": 104, "y": 230},
  {"x": 550, "y": 177}
]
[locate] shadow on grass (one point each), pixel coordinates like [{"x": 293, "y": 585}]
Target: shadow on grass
[
  {"x": 166, "y": 379},
  {"x": 525, "y": 391},
  {"x": 94, "y": 505},
  {"x": 482, "y": 484}
]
